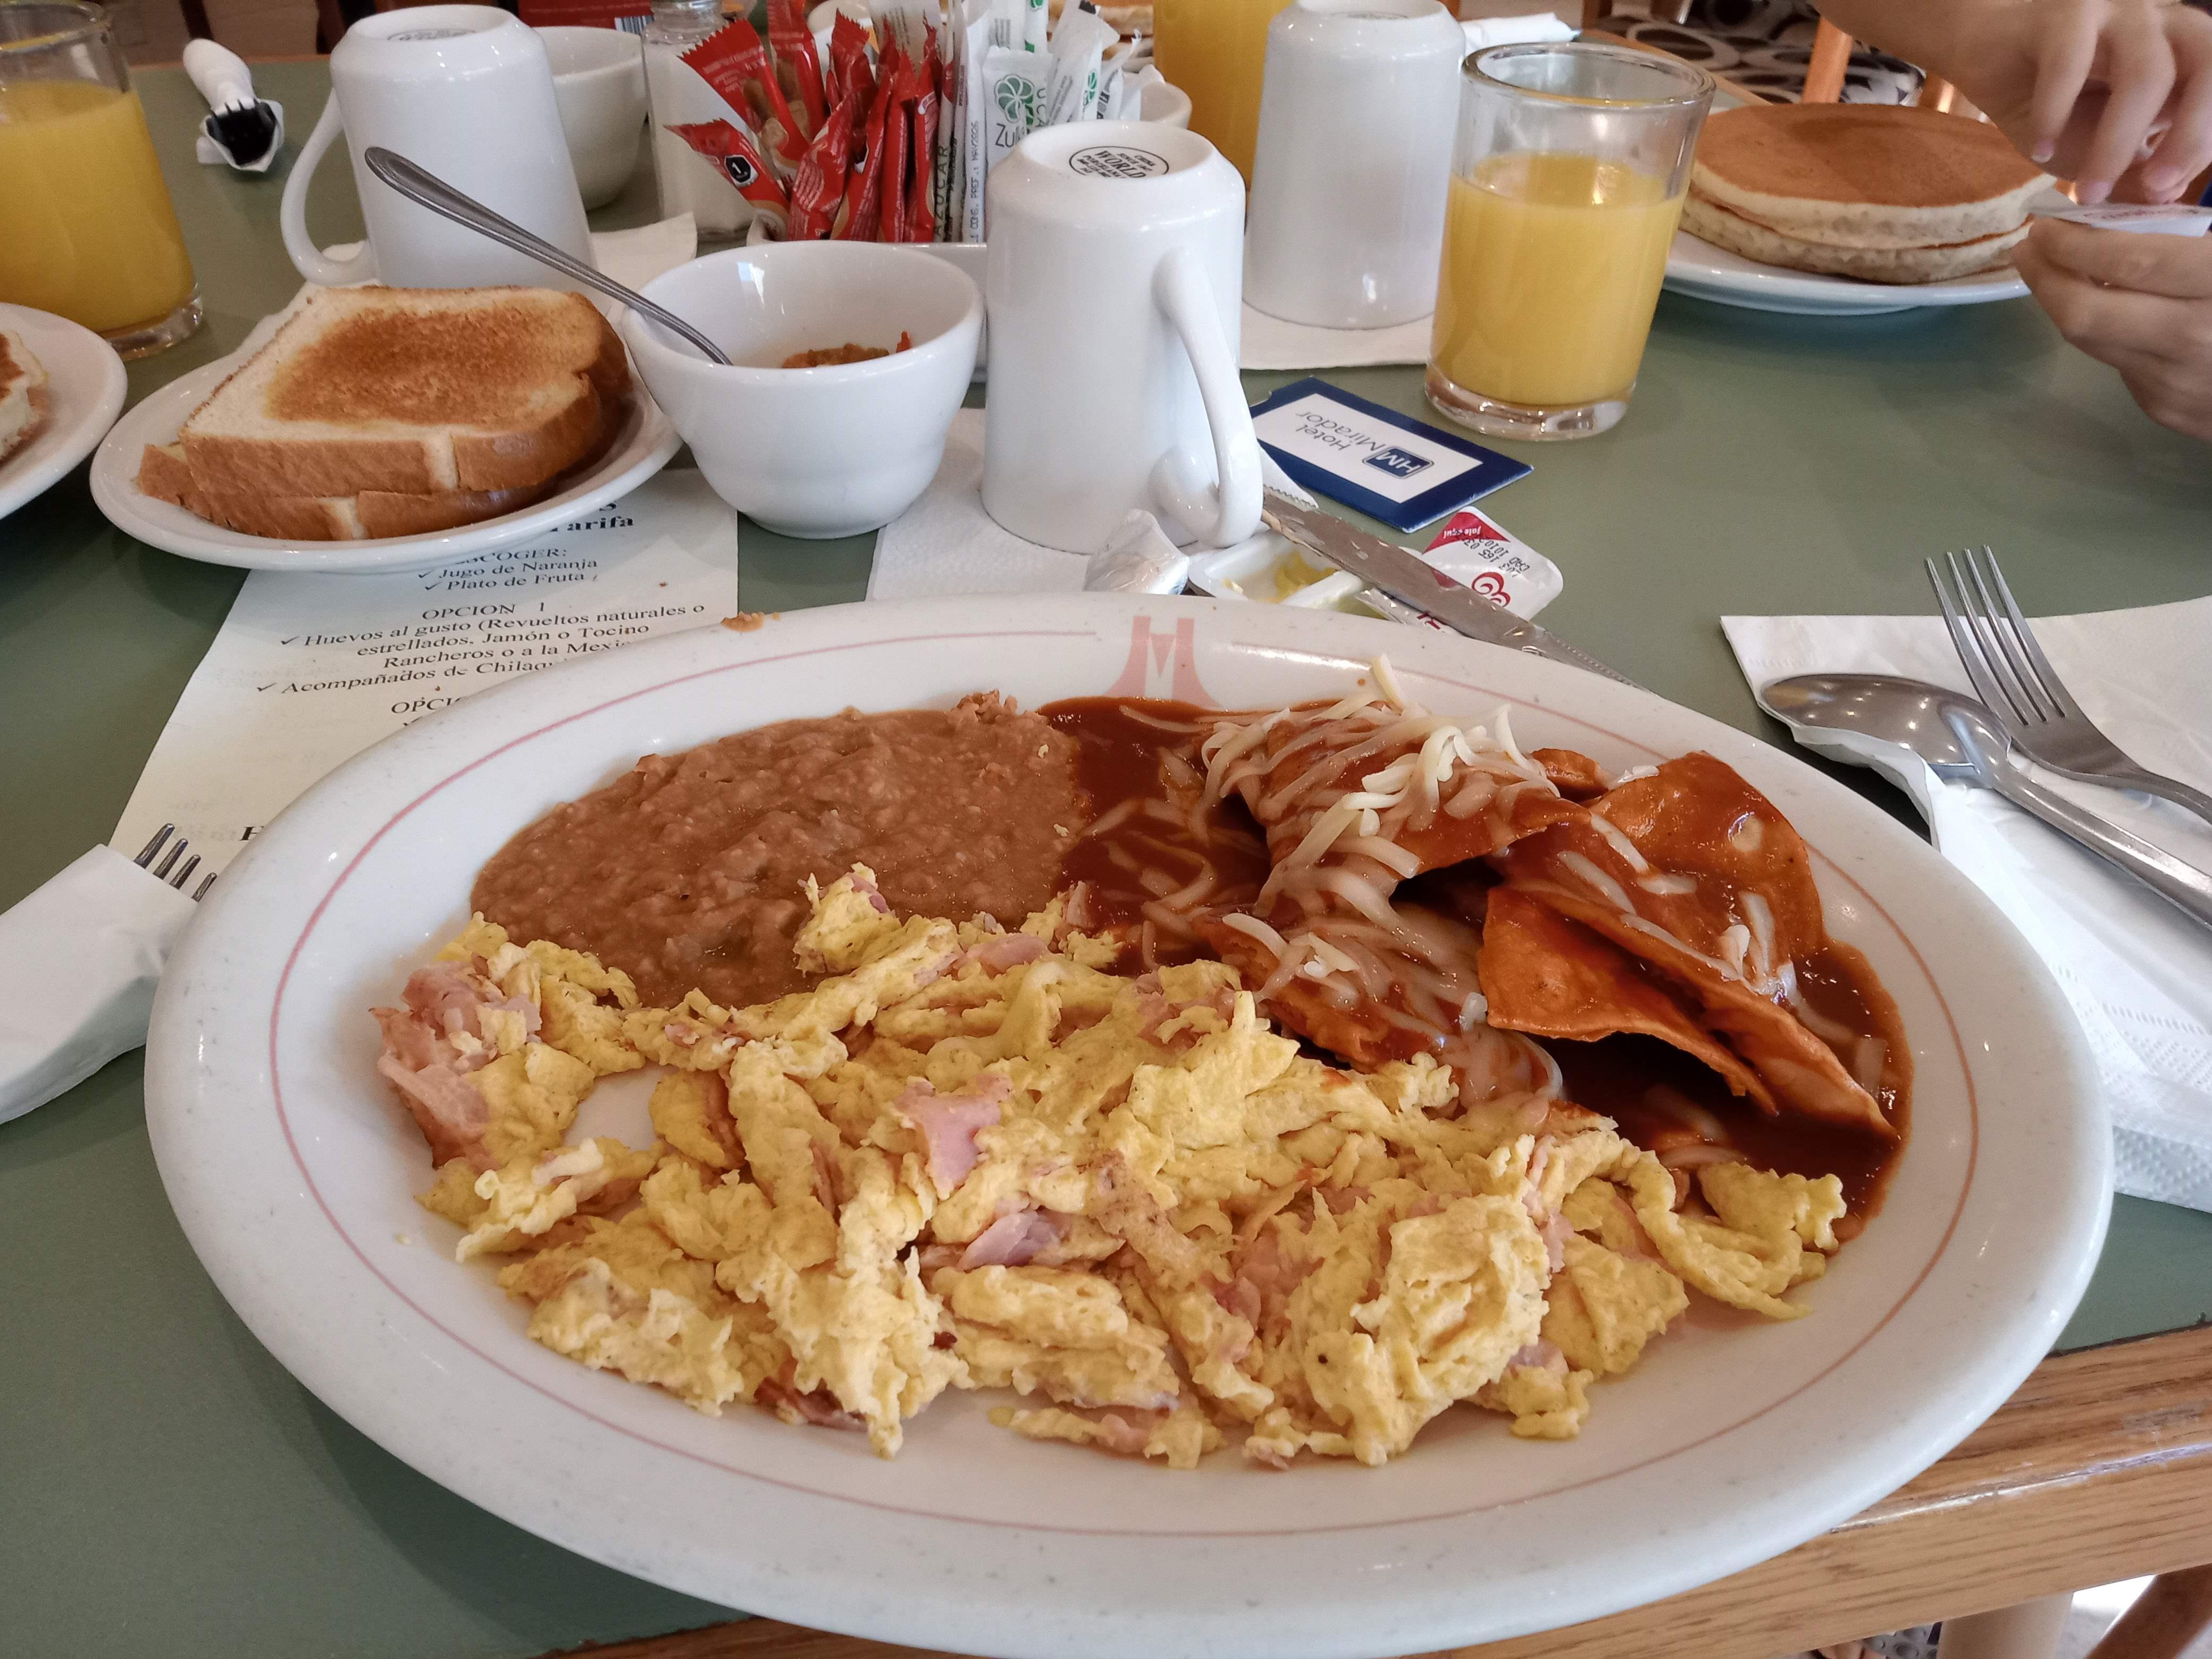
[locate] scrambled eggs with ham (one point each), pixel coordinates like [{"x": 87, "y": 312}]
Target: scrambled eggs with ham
[{"x": 973, "y": 1159}]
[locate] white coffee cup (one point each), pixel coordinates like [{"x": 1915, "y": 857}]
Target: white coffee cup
[
  {"x": 1353, "y": 164},
  {"x": 1112, "y": 288},
  {"x": 598, "y": 82},
  {"x": 466, "y": 93}
]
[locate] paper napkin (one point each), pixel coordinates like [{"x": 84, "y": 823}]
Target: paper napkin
[
  {"x": 1269, "y": 342},
  {"x": 2137, "y": 973}
]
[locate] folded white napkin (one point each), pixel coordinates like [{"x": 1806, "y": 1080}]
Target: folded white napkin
[
  {"x": 79, "y": 959},
  {"x": 2137, "y": 973},
  {"x": 945, "y": 543},
  {"x": 1269, "y": 342}
]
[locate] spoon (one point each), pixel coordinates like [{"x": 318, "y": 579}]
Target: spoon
[
  {"x": 1961, "y": 743},
  {"x": 428, "y": 189}
]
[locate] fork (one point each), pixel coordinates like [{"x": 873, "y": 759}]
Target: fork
[
  {"x": 145, "y": 861},
  {"x": 2011, "y": 675}
]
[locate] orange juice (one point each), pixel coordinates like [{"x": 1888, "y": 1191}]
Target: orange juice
[
  {"x": 1215, "y": 50},
  {"x": 1551, "y": 267},
  {"x": 86, "y": 227}
]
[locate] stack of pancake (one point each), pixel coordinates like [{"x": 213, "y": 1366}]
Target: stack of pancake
[{"x": 1881, "y": 192}]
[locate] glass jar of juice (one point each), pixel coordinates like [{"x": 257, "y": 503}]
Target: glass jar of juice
[
  {"x": 1215, "y": 50},
  {"x": 1567, "y": 182},
  {"x": 87, "y": 229}
]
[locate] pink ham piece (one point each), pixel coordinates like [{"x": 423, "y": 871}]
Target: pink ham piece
[
  {"x": 817, "y": 1406},
  {"x": 422, "y": 1059},
  {"x": 1003, "y": 951},
  {"x": 1011, "y": 1240},
  {"x": 950, "y": 1124}
]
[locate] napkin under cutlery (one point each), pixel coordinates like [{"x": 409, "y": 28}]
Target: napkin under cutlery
[{"x": 2137, "y": 973}]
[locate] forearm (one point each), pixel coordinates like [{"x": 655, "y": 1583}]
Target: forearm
[{"x": 1926, "y": 33}]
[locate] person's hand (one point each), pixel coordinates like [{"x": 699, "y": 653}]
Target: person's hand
[
  {"x": 2096, "y": 90},
  {"x": 2142, "y": 304}
]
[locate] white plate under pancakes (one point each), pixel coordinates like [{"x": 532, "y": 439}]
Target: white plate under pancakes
[{"x": 291, "y": 1171}]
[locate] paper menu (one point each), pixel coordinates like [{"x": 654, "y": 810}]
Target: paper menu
[{"x": 307, "y": 670}]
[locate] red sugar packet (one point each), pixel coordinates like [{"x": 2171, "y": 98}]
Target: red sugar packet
[
  {"x": 862, "y": 214},
  {"x": 848, "y": 59},
  {"x": 818, "y": 187},
  {"x": 898, "y": 141},
  {"x": 736, "y": 65},
  {"x": 797, "y": 67},
  {"x": 920, "y": 224},
  {"x": 733, "y": 149}
]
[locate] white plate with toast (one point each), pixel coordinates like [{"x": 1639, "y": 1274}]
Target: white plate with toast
[
  {"x": 303, "y": 487},
  {"x": 68, "y": 401}
]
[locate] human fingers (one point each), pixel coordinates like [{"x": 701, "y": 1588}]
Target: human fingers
[
  {"x": 2174, "y": 394},
  {"x": 2172, "y": 267},
  {"x": 2139, "y": 71},
  {"x": 2067, "y": 54},
  {"x": 2116, "y": 324},
  {"x": 2185, "y": 148}
]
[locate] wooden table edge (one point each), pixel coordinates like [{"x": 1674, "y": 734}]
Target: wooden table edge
[{"x": 2098, "y": 1467}]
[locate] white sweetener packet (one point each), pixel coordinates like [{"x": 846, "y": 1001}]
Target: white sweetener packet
[{"x": 2138, "y": 218}]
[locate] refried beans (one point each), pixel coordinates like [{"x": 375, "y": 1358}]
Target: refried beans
[{"x": 689, "y": 871}]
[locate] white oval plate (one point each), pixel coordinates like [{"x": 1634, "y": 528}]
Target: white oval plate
[
  {"x": 1702, "y": 271},
  {"x": 291, "y": 1171},
  {"x": 640, "y": 449},
  {"x": 85, "y": 388}
]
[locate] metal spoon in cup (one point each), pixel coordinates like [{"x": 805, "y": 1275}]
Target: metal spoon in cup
[{"x": 427, "y": 189}]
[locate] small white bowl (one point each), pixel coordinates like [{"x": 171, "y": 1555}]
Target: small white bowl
[
  {"x": 815, "y": 452},
  {"x": 599, "y": 85}
]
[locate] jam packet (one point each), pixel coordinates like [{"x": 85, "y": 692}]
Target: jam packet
[
  {"x": 735, "y": 62},
  {"x": 920, "y": 220},
  {"x": 1481, "y": 554},
  {"x": 848, "y": 60},
  {"x": 860, "y": 214},
  {"x": 738, "y": 155}
]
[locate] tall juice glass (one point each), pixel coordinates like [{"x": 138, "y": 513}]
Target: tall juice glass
[
  {"x": 87, "y": 230},
  {"x": 1566, "y": 185},
  {"x": 1215, "y": 51}
]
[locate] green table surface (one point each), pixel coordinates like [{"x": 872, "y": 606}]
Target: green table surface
[{"x": 166, "y": 1488}]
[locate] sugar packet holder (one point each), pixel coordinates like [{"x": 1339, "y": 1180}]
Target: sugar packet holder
[{"x": 79, "y": 961}]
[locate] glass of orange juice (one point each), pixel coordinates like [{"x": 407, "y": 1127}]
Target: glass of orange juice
[
  {"x": 1566, "y": 185},
  {"x": 1215, "y": 51},
  {"x": 87, "y": 229}
]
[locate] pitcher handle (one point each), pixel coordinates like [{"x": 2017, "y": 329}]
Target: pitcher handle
[
  {"x": 292, "y": 216},
  {"x": 1225, "y": 513}
]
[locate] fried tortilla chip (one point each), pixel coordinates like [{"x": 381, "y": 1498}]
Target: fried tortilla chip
[
  {"x": 1572, "y": 773},
  {"x": 1549, "y": 976}
]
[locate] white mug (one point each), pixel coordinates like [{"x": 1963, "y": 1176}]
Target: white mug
[
  {"x": 1353, "y": 165},
  {"x": 464, "y": 91},
  {"x": 598, "y": 82},
  {"x": 1112, "y": 286}
]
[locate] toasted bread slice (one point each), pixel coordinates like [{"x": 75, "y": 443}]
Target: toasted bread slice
[
  {"x": 22, "y": 394},
  {"x": 412, "y": 391},
  {"x": 165, "y": 474}
]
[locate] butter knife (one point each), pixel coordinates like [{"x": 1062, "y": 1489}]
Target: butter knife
[{"x": 1413, "y": 581}]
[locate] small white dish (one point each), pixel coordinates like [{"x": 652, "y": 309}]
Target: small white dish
[
  {"x": 292, "y": 1170},
  {"x": 813, "y": 452},
  {"x": 643, "y": 445},
  {"x": 85, "y": 387},
  {"x": 598, "y": 84}
]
